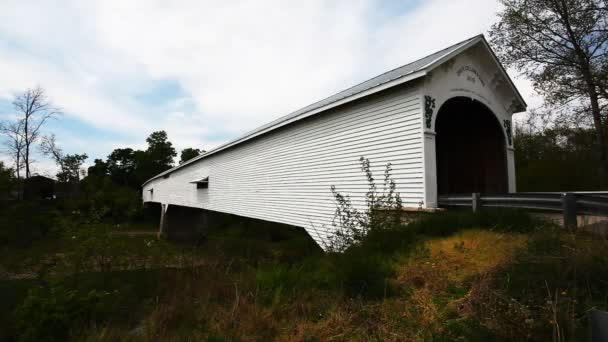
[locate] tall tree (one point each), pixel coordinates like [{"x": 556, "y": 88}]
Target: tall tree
[
  {"x": 189, "y": 153},
  {"x": 562, "y": 46},
  {"x": 33, "y": 110},
  {"x": 158, "y": 157},
  {"x": 121, "y": 166},
  {"x": 69, "y": 164},
  {"x": 14, "y": 143},
  {"x": 6, "y": 181},
  {"x": 160, "y": 150},
  {"x": 99, "y": 169},
  {"x": 556, "y": 159},
  {"x": 50, "y": 148}
]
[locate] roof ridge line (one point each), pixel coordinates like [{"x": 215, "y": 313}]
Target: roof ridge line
[{"x": 294, "y": 114}]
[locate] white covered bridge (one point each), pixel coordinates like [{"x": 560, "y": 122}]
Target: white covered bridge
[{"x": 444, "y": 122}]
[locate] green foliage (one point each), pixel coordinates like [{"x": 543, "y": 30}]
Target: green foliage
[
  {"x": 312, "y": 274},
  {"x": 51, "y": 313},
  {"x": 103, "y": 200},
  {"x": 363, "y": 274},
  {"x": 70, "y": 168},
  {"x": 128, "y": 167},
  {"x": 160, "y": 149},
  {"x": 158, "y": 157},
  {"x": 382, "y": 211},
  {"x": 549, "y": 287},
  {"x": 361, "y": 236},
  {"x": 253, "y": 241},
  {"x": 557, "y": 159},
  {"x": 503, "y": 220},
  {"x": 99, "y": 169},
  {"x": 102, "y": 248},
  {"x": 561, "y": 46},
  {"x": 154, "y": 290},
  {"x": 7, "y": 182},
  {"x": 189, "y": 153},
  {"x": 23, "y": 222},
  {"x": 121, "y": 166},
  {"x": 94, "y": 247}
]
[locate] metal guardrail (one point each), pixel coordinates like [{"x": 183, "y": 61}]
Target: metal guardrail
[{"x": 570, "y": 204}]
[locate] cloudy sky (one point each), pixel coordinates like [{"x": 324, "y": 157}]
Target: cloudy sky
[{"x": 208, "y": 71}]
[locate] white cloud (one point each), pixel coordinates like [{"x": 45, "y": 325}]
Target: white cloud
[{"x": 239, "y": 63}]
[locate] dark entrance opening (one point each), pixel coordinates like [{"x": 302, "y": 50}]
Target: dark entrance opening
[{"x": 470, "y": 149}]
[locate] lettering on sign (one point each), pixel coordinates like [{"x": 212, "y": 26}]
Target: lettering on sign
[
  {"x": 472, "y": 75},
  {"x": 463, "y": 90}
]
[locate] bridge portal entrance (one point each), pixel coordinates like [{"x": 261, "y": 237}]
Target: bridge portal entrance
[{"x": 471, "y": 151}]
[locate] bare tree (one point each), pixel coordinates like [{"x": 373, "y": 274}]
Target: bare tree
[
  {"x": 562, "y": 46},
  {"x": 14, "y": 143},
  {"x": 49, "y": 147},
  {"x": 34, "y": 111},
  {"x": 69, "y": 164}
]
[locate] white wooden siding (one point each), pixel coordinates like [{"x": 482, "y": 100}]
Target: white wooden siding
[{"x": 285, "y": 175}]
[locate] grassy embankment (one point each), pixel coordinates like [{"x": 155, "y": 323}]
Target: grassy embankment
[{"x": 450, "y": 276}]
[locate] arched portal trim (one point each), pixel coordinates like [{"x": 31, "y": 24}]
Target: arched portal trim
[{"x": 471, "y": 148}]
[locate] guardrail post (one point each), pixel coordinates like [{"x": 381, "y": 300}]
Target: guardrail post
[
  {"x": 476, "y": 201},
  {"x": 569, "y": 210}
]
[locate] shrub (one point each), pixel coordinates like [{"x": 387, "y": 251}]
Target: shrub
[
  {"x": 94, "y": 247},
  {"x": 25, "y": 221},
  {"x": 382, "y": 211},
  {"x": 51, "y": 313},
  {"x": 312, "y": 274},
  {"x": 363, "y": 274},
  {"x": 103, "y": 200},
  {"x": 504, "y": 220},
  {"x": 276, "y": 279},
  {"x": 548, "y": 290},
  {"x": 362, "y": 237}
]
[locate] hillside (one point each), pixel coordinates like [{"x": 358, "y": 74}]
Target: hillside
[{"x": 451, "y": 276}]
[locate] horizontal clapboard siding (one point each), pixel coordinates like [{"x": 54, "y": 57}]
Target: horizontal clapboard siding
[{"x": 285, "y": 176}]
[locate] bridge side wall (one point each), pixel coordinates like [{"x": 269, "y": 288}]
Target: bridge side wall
[{"x": 285, "y": 176}]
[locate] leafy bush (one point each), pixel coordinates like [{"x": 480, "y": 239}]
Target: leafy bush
[
  {"x": 95, "y": 248},
  {"x": 51, "y": 313},
  {"x": 102, "y": 247},
  {"x": 548, "y": 290},
  {"x": 382, "y": 211},
  {"x": 504, "y": 220},
  {"x": 103, "y": 200},
  {"x": 274, "y": 280},
  {"x": 25, "y": 221},
  {"x": 356, "y": 272},
  {"x": 277, "y": 280},
  {"x": 364, "y": 275}
]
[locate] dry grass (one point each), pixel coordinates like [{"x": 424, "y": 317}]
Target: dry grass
[
  {"x": 217, "y": 307},
  {"x": 444, "y": 289},
  {"x": 460, "y": 258},
  {"x": 442, "y": 275},
  {"x": 474, "y": 252}
]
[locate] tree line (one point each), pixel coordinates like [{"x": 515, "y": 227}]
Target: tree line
[
  {"x": 560, "y": 45},
  {"x": 23, "y": 137}
]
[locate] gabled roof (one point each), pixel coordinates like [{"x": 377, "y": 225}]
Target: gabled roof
[{"x": 400, "y": 75}]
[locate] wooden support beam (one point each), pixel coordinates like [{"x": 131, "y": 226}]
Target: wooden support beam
[{"x": 163, "y": 221}]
